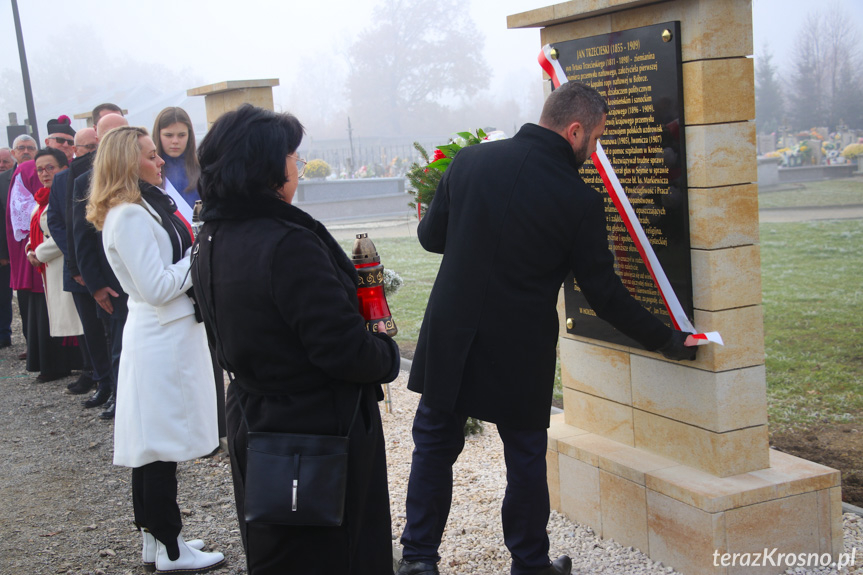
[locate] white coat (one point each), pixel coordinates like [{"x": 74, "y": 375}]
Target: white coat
[
  {"x": 166, "y": 399},
  {"x": 63, "y": 317}
]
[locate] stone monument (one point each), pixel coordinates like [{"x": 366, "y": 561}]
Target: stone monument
[
  {"x": 226, "y": 96},
  {"x": 673, "y": 458}
]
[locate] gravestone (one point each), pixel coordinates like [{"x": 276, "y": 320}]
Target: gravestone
[
  {"x": 766, "y": 144},
  {"x": 673, "y": 457}
]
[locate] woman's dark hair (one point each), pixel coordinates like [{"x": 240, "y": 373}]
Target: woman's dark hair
[
  {"x": 243, "y": 155},
  {"x": 59, "y": 155}
]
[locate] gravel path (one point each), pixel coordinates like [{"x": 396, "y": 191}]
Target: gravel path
[{"x": 65, "y": 509}]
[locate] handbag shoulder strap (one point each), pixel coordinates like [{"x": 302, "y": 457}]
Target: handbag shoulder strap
[{"x": 209, "y": 313}]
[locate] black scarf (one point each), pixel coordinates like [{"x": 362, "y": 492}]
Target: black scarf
[
  {"x": 164, "y": 205},
  {"x": 270, "y": 207}
]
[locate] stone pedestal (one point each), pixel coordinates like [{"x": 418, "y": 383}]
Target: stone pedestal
[
  {"x": 673, "y": 458},
  {"x": 226, "y": 96}
]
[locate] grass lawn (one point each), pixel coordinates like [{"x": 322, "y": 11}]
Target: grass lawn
[
  {"x": 812, "y": 285},
  {"x": 812, "y": 278},
  {"x": 824, "y": 193}
]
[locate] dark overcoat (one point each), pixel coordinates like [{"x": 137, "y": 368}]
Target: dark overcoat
[
  {"x": 513, "y": 218},
  {"x": 284, "y": 295},
  {"x": 5, "y": 184},
  {"x": 57, "y": 225},
  {"x": 90, "y": 254}
]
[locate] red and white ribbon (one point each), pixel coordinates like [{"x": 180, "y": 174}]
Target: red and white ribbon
[
  {"x": 615, "y": 190},
  {"x": 636, "y": 232},
  {"x": 552, "y": 67}
]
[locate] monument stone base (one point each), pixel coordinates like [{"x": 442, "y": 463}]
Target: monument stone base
[{"x": 688, "y": 518}]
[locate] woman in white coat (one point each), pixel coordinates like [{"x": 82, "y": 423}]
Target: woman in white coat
[{"x": 166, "y": 402}]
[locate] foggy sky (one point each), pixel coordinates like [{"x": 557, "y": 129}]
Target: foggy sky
[{"x": 179, "y": 44}]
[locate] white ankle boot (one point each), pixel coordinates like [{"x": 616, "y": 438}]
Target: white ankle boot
[
  {"x": 148, "y": 548},
  {"x": 190, "y": 560}
]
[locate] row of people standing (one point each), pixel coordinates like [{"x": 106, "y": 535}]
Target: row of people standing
[{"x": 138, "y": 355}]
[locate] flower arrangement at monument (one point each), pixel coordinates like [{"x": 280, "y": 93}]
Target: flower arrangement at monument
[{"x": 424, "y": 178}]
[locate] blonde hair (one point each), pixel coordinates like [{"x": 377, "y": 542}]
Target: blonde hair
[{"x": 116, "y": 171}]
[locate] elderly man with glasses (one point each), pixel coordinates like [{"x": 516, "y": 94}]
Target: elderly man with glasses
[{"x": 61, "y": 136}]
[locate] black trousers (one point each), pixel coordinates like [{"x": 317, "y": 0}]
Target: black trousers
[
  {"x": 154, "y": 499},
  {"x": 95, "y": 339},
  {"x": 24, "y": 309},
  {"x": 438, "y": 440},
  {"x": 5, "y": 304}
]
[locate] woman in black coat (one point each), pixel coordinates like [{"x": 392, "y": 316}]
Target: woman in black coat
[{"x": 283, "y": 296}]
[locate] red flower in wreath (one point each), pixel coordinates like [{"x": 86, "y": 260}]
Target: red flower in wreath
[{"x": 438, "y": 155}]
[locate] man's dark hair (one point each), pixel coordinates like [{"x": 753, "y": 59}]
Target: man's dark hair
[
  {"x": 97, "y": 111},
  {"x": 573, "y": 102},
  {"x": 59, "y": 155},
  {"x": 243, "y": 155}
]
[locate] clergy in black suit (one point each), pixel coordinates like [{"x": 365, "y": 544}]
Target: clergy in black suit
[{"x": 512, "y": 218}]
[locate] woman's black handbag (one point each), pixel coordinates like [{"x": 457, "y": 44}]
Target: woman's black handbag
[
  {"x": 296, "y": 479},
  {"x": 291, "y": 478}
]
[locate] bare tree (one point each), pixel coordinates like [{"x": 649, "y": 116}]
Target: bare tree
[
  {"x": 416, "y": 59},
  {"x": 824, "y": 66}
]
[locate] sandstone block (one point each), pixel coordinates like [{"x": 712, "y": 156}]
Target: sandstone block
[
  {"x": 723, "y": 217},
  {"x": 787, "y": 476},
  {"x": 721, "y": 454},
  {"x": 716, "y": 402},
  {"x": 598, "y": 415},
  {"x": 597, "y": 370},
  {"x": 721, "y": 155},
  {"x": 624, "y": 511},
  {"x": 742, "y": 330},
  {"x": 622, "y": 460},
  {"x": 579, "y": 492},
  {"x": 726, "y": 278},
  {"x": 683, "y": 536},
  {"x": 786, "y": 524},
  {"x": 719, "y": 91}
]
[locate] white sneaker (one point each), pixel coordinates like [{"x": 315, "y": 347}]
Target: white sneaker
[
  {"x": 148, "y": 548},
  {"x": 190, "y": 560}
]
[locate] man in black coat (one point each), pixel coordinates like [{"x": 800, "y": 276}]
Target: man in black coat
[
  {"x": 512, "y": 219},
  {"x": 96, "y": 352},
  {"x": 93, "y": 266}
]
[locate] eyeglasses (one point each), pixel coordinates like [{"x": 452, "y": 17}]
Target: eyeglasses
[
  {"x": 66, "y": 141},
  {"x": 23, "y": 148},
  {"x": 49, "y": 168},
  {"x": 301, "y": 167},
  {"x": 88, "y": 147}
]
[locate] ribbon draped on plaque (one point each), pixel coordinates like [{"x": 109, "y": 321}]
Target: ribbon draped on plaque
[{"x": 552, "y": 67}]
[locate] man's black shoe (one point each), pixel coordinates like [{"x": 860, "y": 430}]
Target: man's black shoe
[
  {"x": 560, "y": 566},
  {"x": 99, "y": 398},
  {"x": 416, "y": 568},
  {"x": 82, "y": 385},
  {"x": 5, "y": 343},
  {"x": 109, "y": 409}
]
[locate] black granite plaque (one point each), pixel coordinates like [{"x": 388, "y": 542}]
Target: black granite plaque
[{"x": 639, "y": 73}]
